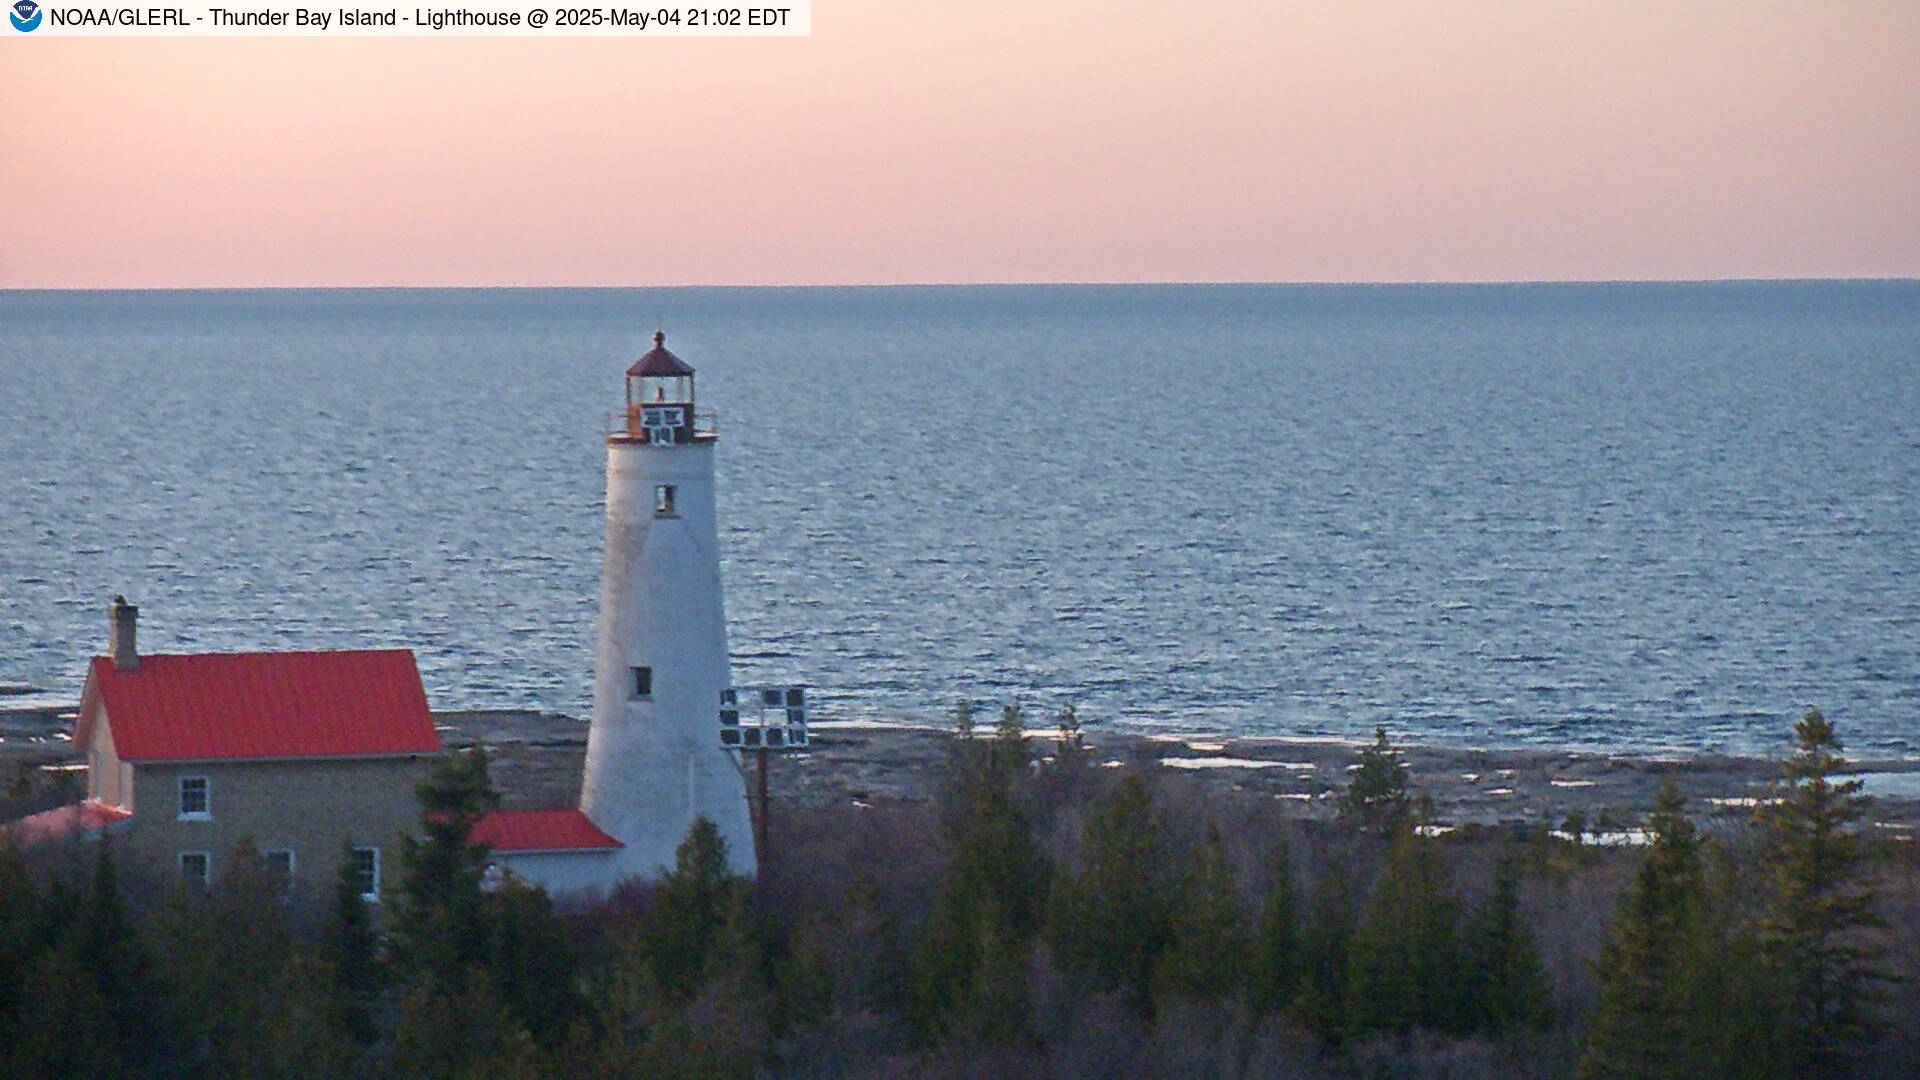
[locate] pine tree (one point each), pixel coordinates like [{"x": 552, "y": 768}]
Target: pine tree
[
  {"x": 350, "y": 946},
  {"x": 439, "y": 929},
  {"x": 113, "y": 955},
  {"x": 997, "y": 1008},
  {"x": 460, "y": 1032},
  {"x": 1012, "y": 729},
  {"x": 1071, "y": 752},
  {"x": 1506, "y": 986},
  {"x": 532, "y": 961},
  {"x": 1111, "y": 920},
  {"x": 1211, "y": 955},
  {"x": 1820, "y": 932},
  {"x": 1279, "y": 956},
  {"x": 70, "y": 1034},
  {"x": 1643, "y": 1027},
  {"x": 1730, "y": 1000},
  {"x": 1405, "y": 957},
  {"x": 717, "y": 1029},
  {"x": 229, "y": 960},
  {"x": 982, "y": 921},
  {"x": 1325, "y": 958},
  {"x": 23, "y": 936},
  {"x": 1376, "y": 796},
  {"x": 691, "y": 904}
]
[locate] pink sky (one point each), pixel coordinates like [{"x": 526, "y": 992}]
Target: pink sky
[{"x": 988, "y": 140}]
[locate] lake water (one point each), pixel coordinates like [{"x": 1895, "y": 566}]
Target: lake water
[{"x": 1625, "y": 516}]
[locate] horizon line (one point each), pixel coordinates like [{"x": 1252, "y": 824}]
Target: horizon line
[{"x": 1013, "y": 284}]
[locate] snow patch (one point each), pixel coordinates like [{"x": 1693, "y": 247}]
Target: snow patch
[{"x": 1219, "y": 763}]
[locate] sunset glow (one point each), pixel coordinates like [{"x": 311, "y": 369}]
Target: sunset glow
[{"x": 990, "y": 141}]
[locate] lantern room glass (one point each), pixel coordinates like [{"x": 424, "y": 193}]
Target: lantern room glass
[{"x": 659, "y": 390}]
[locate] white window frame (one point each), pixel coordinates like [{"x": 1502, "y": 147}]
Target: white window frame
[
  {"x": 205, "y": 813},
  {"x": 374, "y": 896},
  {"x": 266, "y": 862},
  {"x": 206, "y": 867}
]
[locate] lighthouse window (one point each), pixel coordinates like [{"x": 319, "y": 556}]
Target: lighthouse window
[
  {"x": 642, "y": 682},
  {"x": 663, "y": 499}
]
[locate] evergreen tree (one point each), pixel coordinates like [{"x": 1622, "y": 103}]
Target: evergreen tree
[
  {"x": 350, "y": 946},
  {"x": 69, "y": 1032},
  {"x": 1111, "y": 920},
  {"x": 1405, "y": 957},
  {"x": 1643, "y": 1027},
  {"x": 1071, "y": 751},
  {"x": 1730, "y": 1000},
  {"x": 112, "y": 954},
  {"x": 1325, "y": 958},
  {"x": 691, "y": 904},
  {"x": 439, "y": 928},
  {"x": 1012, "y": 729},
  {"x": 971, "y": 960},
  {"x": 23, "y": 935},
  {"x": 461, "y": 1031},
  {"x": 230, "y": 974},
  {"x": 1376, "y": 796},
  {"x": 963, "y": 720},
  {"x": 717, "y": 1029},
  {"x": 1279, "y": 955},
  {"x": 1211, "y": 956},
  {"x": 1820, "y": 932},
  {"x": 532, "y": 961},
  {"x": 1506, "y": 986}
]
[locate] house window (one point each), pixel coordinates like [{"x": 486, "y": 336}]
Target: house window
[
  {"x": 195, "y": 868},
  {"x": 663, "y": 499},
  {"x": 196, "y": 798},
  {"x": 279, "y": 870},
  {"x": 366, "y": 870},
  {"x": 642, "y": 682}
]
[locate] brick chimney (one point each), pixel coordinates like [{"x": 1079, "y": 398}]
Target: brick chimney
[{"x": 124, "y": 616}]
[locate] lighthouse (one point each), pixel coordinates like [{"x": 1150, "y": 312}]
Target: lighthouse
[{"x": 654, "y": 757}]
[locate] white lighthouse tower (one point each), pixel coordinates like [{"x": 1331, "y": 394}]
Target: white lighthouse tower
[{"x": 654, "y": 758}]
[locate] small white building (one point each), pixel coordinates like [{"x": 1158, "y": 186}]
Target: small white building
[{"x": 560, "y": 850}]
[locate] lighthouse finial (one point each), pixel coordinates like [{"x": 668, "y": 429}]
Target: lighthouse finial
[{"x": 659, "y": 339}]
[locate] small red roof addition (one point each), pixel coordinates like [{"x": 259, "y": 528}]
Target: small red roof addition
[
  {"x": 80, "y": 819},
  {"x": 540, "y": 830},
  {"x": 659, "y": 363}
]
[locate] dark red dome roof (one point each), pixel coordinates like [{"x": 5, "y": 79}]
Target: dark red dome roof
[{"x": 659, "y": 363}]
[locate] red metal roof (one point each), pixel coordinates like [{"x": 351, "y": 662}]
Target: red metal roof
[
  {"x": 64, "y": 821},
  {"x": 540, "y": 830},
  {"x": 659, "y": 363},
  {"x": 261, "y": 705}
]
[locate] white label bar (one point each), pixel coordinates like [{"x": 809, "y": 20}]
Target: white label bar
[{"x": 30, "y": 19}]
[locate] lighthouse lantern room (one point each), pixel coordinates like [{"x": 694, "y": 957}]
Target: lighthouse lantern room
[{"x": 660, "y": 402}]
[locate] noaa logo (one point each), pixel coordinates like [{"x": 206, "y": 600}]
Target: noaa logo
[{"x": 26, "y": 15}]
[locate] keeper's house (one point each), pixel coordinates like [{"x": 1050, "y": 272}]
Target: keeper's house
[{"x": 313, "y": 756}]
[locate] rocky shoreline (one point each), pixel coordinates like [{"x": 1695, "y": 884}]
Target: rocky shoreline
[{"x": 537, "y": 759}]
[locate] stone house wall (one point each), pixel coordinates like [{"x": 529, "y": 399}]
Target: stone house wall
[{"x": 314, "y": 807}]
